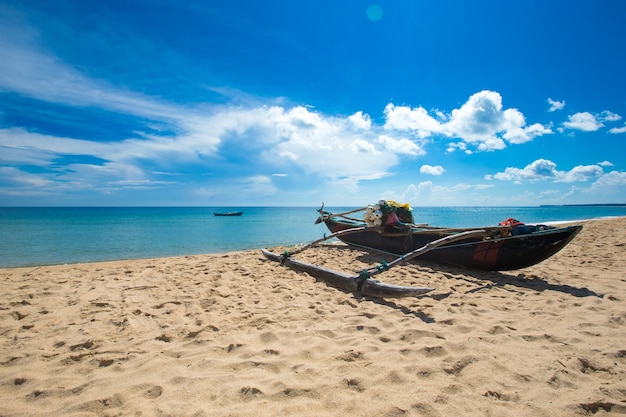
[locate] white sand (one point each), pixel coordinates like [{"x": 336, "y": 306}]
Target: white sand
[{"x": 237, "y": 335}]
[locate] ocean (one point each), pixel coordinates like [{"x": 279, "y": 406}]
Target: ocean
[{"x": 33, "y": 236}]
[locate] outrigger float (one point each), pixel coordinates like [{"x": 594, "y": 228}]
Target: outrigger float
[{"x": 389, "y": 227}]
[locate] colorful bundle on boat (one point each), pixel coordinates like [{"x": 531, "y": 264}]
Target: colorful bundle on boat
[{"x": 388, "y": 212}]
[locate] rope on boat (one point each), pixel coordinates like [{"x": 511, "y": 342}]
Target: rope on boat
[
  {"x": 363, "y": 276},
  {"x": 284, "y": 256},
  {"x": 384, "y": 266},
  {"x": 366, "y": 274}
]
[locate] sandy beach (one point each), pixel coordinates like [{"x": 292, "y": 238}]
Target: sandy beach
[{"x": 237, "y": 335}]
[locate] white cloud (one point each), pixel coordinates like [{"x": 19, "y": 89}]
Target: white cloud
[
  {"x": 608, "y": 188},
  {"x": 416, "y": 120},
  {"x": 612, "y": 179},
  {"x": 518, "y": 135},
  {"x": 23, "y": 147},
  {"x": 360, "y": 120},
  {"x": 427, "y": 193},
  {"x": 14, "y": 154},
  {"x": 239, "y": 190},
  {"x": 581, "y": 173},
  {"x": 462, "y": 146},
  {"x": 16, "y": 177},
  {"x": 363, "y": 146},
  {"x": 555, "y": 105},
  {"x": 330, "y": 147},
  {"x": 543, "y": 169},
  {"x": 432, "y": 170},
  {"x": 415, "y": 194},
  {"x": 481, "y": 121},
  {"x": 257, "y": 185},
  {"x": 491, "y": 144},
  {"x": 540, "y": 169},
  {"x": 400, "y": 146},
  {"x": 617, "y": 130},
  {"x": 588, "y": 122},
  {"x": 608, "y": 116},
  {"x": 33, "y": 73},
  {"x": 584, "y": 121}
]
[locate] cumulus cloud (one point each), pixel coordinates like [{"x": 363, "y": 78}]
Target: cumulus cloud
[
  {"x": 360, "y": 120},
  {"x": 482, "y": 117},
  {"x": 543, "y": 169},
  {"x": 584, "y": 121},
  {"x": 432, "y": 170},
  {"x": 482, "y": 121},
  {"x": 417, "y": 120},
  {"x": 331, "y": 147},
  {"x": 518, "y": 135},
  {"x": 555, "y": 105},
  {"x": 588, "y": 122}
]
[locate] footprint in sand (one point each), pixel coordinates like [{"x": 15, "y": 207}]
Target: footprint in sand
[
  {"x": 354, "y": 384},
  {"x": 154, "y": 392},
  {"x": 89, "y": 344}
]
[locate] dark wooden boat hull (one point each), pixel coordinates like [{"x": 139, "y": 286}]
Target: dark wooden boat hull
[{"x": 494, "y": 254}]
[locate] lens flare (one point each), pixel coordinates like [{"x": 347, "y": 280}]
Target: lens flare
[{"x": 374, "y": 12}]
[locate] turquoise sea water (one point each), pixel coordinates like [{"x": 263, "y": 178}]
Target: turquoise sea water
[{"x": 55, "y": 235}]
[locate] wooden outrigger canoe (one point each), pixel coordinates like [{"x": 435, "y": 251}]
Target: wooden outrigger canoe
[
  {"x": 498, "y": 249},
  {"x": 503, "y": 247}
]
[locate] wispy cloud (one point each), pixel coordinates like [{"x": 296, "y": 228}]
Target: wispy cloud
[{"x": 33, "y": 73}]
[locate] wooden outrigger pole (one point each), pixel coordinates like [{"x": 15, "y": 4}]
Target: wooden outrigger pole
[{"x": 362, "y": 283}]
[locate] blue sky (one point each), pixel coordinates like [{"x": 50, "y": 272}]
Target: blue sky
[{"x": 174, "y": 103}]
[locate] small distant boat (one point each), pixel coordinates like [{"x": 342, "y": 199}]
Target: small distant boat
[{"x": 229, "y": 213}]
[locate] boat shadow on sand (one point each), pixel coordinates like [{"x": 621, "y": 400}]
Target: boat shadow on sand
[
  {"x": 512, "y": 281},
  {"x": 488, "y": 279}
]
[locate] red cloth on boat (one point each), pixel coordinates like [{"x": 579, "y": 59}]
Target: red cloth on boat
[
  {"x": 392, "y": 218},
  {"x": 511, "y": 222}
]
